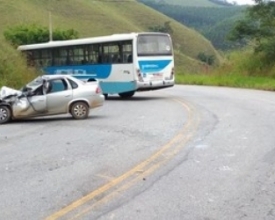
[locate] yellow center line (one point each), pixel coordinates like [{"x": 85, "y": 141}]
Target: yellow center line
[
  {"x": 126, "y": 186},
  {"x": 130, "y": 173}
]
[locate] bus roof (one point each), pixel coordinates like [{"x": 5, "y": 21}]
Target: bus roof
[{"x": 90, "y": 40}]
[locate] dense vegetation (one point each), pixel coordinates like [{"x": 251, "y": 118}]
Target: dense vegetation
[
  {"x": 258, "y": 29},
  {"x": 214, "y": 23},
  {"x": 253, "y": 67},
  {"x": 242, "y": 69},
  {"x": 13, "y": 70},
  {"x": 31, "y": 34}
]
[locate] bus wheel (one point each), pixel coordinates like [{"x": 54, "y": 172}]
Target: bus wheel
[
  {"x": 5, "y": 114},
  {"x": 79, "y": 110},
  {"x": 126, "y": 94}
]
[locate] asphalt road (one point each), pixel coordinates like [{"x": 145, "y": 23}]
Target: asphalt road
[{"x": 188, "y": 152}]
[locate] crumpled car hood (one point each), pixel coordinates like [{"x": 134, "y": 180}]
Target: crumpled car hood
[
  {"x": 15, "y": 98},
  {"x": 6, "y": 91}
]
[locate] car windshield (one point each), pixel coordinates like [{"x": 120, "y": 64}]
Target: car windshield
[
  {"x": 33, "y": 84},
  {"x": 36, "y": 82}
]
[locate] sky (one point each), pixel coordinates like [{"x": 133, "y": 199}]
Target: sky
[{"x": 243, "y": 2}]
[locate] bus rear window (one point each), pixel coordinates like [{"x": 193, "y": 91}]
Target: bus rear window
[{"x": 149, "y": 45}]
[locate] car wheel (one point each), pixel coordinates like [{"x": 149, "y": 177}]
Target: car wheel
[
  {"x": 79, "y": 110},
  {"x": 5, "y": 114},
  {"x": 126, "y": 94}
]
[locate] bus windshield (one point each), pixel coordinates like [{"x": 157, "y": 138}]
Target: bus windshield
[{"x": 148, "y": 45}]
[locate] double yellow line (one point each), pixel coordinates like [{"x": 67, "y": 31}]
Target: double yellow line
[{"x": 139, "y": 172}]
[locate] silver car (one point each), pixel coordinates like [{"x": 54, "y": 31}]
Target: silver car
[{"x": 50, "y": 95}]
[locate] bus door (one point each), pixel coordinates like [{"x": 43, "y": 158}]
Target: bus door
[
  {"x": 120, "y": 59},
  {"x": 122, "y": 77},
  {"x": 128, "y": 68}
]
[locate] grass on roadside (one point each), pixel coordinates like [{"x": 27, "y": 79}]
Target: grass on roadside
[
  {"x": 242, "y": 69},
  {"x": 239, "y": 81}
]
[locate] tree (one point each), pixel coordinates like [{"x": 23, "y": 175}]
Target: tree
[
  {"x": 31, "y": 34},
  {"x": 258, "y": 29},
  {"x": 208, "y": 59},
  {"x": 165, "y": 28}
]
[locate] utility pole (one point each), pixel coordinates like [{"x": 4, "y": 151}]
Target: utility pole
[{"x": 50, "y": 27}]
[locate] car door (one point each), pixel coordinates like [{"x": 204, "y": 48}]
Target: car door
[
  {"x": 39, "y": 103},
  {"x": 30, "y": 106},
  {"x": 58, "y": 96}
]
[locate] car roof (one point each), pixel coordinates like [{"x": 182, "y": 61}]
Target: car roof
[{"x": 56, "y": 76}]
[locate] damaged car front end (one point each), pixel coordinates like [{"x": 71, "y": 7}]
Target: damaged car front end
[
  {"x": 8, "y": 96},
  {"x": 16, "y": 103}
]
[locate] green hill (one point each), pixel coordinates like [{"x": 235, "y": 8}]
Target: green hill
[
  {"x": 215, "y": 23},
  {"x": 95, "y": 18},
  {"x": 188, "y": 3}
]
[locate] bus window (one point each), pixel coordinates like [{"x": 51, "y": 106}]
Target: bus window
[
  {"x": 114, "y": 55},
  {"x": 46, "y": 58},
  {"x": 30, "y": 58},
  {"x": 85, "y": 55},
  {"x": 105, "y": 53},
  {"x": 70, "y": 56},
  {"x": 111, "y": 53},
  {"x": 127, "y": 51},
  {"x": 34, "y": 57},
  {"x": 116, "y": 58},
  {"x": 78, "y": 55},
  {"x": 93, "y": 53},
  {"x": 60, "y": 55}
]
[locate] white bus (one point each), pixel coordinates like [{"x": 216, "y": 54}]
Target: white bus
[{"x": 122, "y": 63}]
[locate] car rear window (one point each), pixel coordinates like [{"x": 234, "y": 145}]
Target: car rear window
[{"x": 73, "y": 84}]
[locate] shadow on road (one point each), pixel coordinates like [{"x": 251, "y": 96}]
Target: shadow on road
[
  {"x": 135, "y": 98},
  {"x": 49, "y": 119}
]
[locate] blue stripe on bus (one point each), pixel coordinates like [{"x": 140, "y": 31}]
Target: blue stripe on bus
[
  {"x": 82, "y": 71},
  {"x": 117, "y": 87},
  {"x": 150, "y": 66}
]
